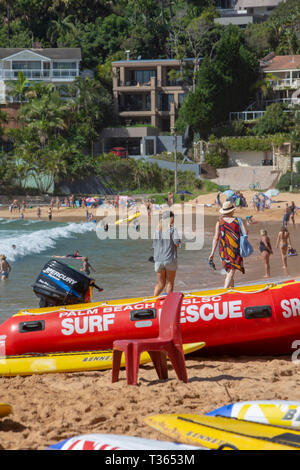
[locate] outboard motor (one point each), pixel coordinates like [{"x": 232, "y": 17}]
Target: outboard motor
[{"x": 59, "y": 284}]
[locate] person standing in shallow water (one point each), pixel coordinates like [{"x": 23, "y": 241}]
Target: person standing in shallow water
[
  {"x": 227, "y": 235},
  {"x": 165, "y": 244}
]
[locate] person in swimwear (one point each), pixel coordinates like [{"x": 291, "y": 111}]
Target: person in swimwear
[
  {"x": 76, "y": 255},
  {"x": 87, "y": 267},
  {"x": 265, "y": 249},
  {"x": 284, "y": 242},
  {"x": 5, "y": 268}
]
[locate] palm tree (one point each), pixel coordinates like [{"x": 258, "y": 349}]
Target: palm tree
[
  {"x": 17, "y": 88},
  {"x": 58, "y": 29}
]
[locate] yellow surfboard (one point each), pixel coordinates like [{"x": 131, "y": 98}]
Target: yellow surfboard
[
  {"x": 5, "y": 409},
  {"x": 28, "y": 364},
  {"x": 225, "y": 433},
  {"x": 129, "y": 218},
  {"x": 275, "y": 412}
]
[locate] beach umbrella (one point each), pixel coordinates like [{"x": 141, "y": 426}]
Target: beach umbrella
[
  {"x": 272, "y": 192},
  {"x": 183, "y": 191},
  {"x": 228, "y": 193},
  {"x": 264, "y": 195},
  {"x": 91, "y": 199}
]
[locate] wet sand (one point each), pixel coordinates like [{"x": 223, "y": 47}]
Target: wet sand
[{"x": 51, "y": 407}]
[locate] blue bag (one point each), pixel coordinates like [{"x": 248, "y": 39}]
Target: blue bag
[{"x": 246, "y": 249}]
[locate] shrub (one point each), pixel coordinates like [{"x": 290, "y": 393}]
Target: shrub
[
  {"x": 287, "y": 179},
  {"x": 217, "y": 159}
]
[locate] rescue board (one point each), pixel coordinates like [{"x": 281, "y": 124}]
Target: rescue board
[
  {"x": 5, "y": 409},
  {"x": 224, "y": 433},
  {"x": 128, "y": 219},
  {"x": 117, "y": 442},
  {"x": 274, "y": 412},
  {"x": 28, "y": 364}
]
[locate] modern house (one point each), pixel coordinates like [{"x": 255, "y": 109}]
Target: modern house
[
  {"x": 58, "y": 66},
  {"x": 243, "y": 12},
  {"x": 147, "y": 95}
]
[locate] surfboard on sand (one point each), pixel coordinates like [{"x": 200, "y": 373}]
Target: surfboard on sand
[
  {"x": 116, "y": 442},
  {"x": 225, "y": 433},
  {"x": 275, "y": 412},
  {"x": 28, "y": 364}
]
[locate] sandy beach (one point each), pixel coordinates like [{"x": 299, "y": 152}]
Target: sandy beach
[
  {"x": 51, "y": 407},
  {"x": 68, "y": 214}
]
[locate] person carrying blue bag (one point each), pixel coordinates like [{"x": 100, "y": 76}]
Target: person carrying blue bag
[{"x": 230, "y": 234}]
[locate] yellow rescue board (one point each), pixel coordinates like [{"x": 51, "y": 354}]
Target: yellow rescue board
[
  {"x": 134, "y": 300},
  {"x": 69, "y": 362},
  {"x": 5, "y": 409},
  {"x": 225, "y": 433},
  {"x": 128, "y": 219}
]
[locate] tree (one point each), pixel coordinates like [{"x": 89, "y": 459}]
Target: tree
[
  {"x": 274, "y": 120},
  {"x": 58, "y": 30},
  {"x": 225, "y": 82}
]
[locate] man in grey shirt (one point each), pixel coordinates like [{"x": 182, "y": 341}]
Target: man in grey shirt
[{"x": 165, "y": 244}]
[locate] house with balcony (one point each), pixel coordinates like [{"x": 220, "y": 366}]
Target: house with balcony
[
  {"x": 58, "y": 66},
  {"x": 282, "y": 74},
  {"x": 147, "y": 95}
]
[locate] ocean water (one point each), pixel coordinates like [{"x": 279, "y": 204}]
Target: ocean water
[{"x": 122, "y": 266}]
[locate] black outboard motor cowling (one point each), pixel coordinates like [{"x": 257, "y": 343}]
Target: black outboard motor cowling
[{"x": 59, "y": 284}]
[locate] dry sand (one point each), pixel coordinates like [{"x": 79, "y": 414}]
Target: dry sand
[
  {"x": 67, "y": 214},
  {"x": 51, "y": 407}
]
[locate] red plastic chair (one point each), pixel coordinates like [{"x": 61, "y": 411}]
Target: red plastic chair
[{"x": 168, "y": 342}]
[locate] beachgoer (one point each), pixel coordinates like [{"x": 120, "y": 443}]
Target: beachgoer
[
  {"x": 149, "y": 207},
  {"x": 292, "y": 212},
  {"x": 75, "y": 255},
  {"x": 38, "y": 212},
  {"x": 87, "y": 267},
  {"x": 265, "y": 249},
  {"x": 286, "y": 215},
  {"x": 50, "y": 213},
  {"x": 5, "y": 268},
  {"x": 165, "y": 244},
  {"x": 170, "y": 199},
  {"x": 227, "y": 234},
  {"x": 284, "y": 243},
  {"x": 218, "y": 201}
]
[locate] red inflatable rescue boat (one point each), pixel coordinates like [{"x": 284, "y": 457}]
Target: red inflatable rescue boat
[{"x": 257, "y": 319}]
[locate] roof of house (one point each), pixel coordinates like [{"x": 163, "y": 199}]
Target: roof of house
[
  {"x": 256, "y": 3},
  {"x": 50, "y": 53},
  {"x": 280, "y": 62}
]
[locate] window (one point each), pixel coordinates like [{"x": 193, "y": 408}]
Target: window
[
  {"x": 27, "y": 65},
  {"x": 64, "y": 65},
  {"x": 141, "y": 76}
]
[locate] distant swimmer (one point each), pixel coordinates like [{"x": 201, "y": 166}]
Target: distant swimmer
[
  {"x": 87, "y": 267},
  {"x": 75, "y": 255},
  {"x": 5, "y": 268}
]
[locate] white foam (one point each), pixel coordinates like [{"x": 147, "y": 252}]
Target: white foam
[{"x": 41, "y": 240}]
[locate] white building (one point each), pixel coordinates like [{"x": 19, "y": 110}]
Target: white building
[{"x": 58, "y": 66}]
